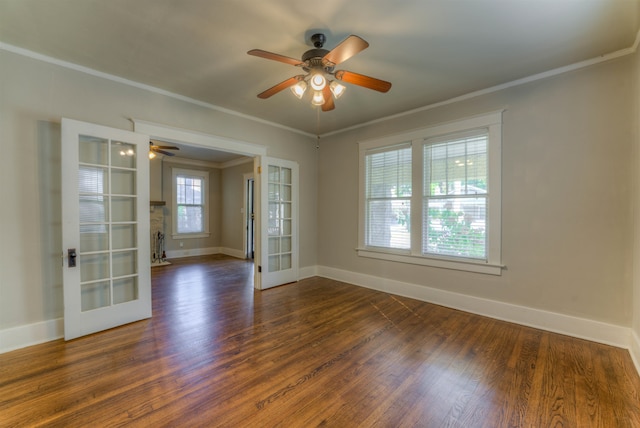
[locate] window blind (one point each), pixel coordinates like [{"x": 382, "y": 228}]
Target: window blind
[
  {"x": 388, "y": 197},
  {"x": 455, "y": 195},
  {"x": 189, "y": 197}
]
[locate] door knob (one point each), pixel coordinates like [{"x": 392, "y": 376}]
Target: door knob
[{"x": 72, "y": 257}]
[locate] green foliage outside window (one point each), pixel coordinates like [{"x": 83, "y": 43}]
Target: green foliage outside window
[{"x": 451, "y": 232}]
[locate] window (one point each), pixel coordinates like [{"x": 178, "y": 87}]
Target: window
[
  {"x": 388, "y": 197},
  {"x": 190, "y": 203},
  {"x": 432, "y": 196},
  {"x": 455, "y": 196}
]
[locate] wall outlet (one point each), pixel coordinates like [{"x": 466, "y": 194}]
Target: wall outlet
[{"x": 181, "y": 244}]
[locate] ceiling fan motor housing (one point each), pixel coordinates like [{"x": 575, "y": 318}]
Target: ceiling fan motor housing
[
  {"x": 313, "y": 59},
  {"x": 318, "y": 40}
]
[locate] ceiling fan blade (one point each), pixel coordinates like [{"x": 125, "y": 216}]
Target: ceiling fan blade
[
  {"x": 345, "y": 50},
  {"x": 362, "y": 80},
  {"x": 155, "y": 144},
  {"x": 280, "y": 86},
  {"x": 276, "y": 57},
  {"x": 165, "y": 147},
  {"x": 163, "y": 152},
  {"x": 328, "y": 99}
]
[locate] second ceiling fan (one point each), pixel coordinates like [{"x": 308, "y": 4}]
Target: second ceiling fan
[{"x": 319, "y": 64}]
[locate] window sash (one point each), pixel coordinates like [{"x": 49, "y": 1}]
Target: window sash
[
  {"x": 190, "y": 203},
  {"x": 388, "y": 197},
  {"x": 455, "y": 201},
  {"x": 190, "y": 218}
]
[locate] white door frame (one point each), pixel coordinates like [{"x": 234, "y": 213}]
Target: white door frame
[{"x": 198, "y": 139}]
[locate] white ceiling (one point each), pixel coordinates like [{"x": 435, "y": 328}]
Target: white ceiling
[{"x": 431, "y": 50}]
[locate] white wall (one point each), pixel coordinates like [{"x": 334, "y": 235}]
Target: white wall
[
  {"x": 35, "y": 95},
  {"x": 567, "y": 186}
]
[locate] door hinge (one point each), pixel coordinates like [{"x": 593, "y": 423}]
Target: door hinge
[
  {"x": 259, "y": 170},
  {"x": 259, "y": 269}
]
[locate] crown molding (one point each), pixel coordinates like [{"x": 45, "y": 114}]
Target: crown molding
[
  {"x": 75, "y": 67},
  {"x": 539, "y": 76}
]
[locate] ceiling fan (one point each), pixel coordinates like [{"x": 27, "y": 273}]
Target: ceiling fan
[
  {"x": 155, "y": 148},
  {"x": 319, "y": 64}
]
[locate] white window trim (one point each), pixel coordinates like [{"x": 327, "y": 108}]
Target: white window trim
[
  {"x": 175, "y": 172},
  {"x": 493, "y": 265}
]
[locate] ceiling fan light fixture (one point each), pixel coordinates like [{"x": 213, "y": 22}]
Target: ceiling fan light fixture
[
  {"x": 318, "y": 82},
  {"x": 318, "y": 98},
  {"x": 299, "y": 88},
  {"x": 337, "y": 89},
  {"x": 319, "y": 65}
]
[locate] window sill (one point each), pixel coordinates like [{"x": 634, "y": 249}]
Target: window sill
[
  {"x": 190, "y": 235},
  {"x": 463, "y": 265}
]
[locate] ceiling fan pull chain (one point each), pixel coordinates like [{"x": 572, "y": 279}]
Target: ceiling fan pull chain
[{"x": 318, "y": 128}]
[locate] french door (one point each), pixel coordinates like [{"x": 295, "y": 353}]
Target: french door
[
  {"x": 279, "y": 222},
  {"x": 105, "y": 212}
]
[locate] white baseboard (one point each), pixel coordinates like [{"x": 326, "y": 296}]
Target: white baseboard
[
  {"x": 307, "y": 272},
  {"x": 582, "y": 328},
  {"x": 178, "y": 254},
  {"x": 238, "y": 254},
  {"x": 31, "y": 334},
  {"x": 634, "y": 349}
]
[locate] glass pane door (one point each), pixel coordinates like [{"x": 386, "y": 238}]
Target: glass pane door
[
  {"x": 105, "y": 198},
  {"x": 280, "y": 218},
  {"x": 108, "y": 222},
  {"x": 279, "y": 258}
]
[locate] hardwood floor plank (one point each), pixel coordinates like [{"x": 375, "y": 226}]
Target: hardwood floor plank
[{"x": 315, "y": 353}]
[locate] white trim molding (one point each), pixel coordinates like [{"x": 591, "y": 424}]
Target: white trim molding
[
  {"x": 238, "y": 254},
  {"x": 178, "y": 254},
  {"x": 634, "y": 349},
  {"x": 31, "y": 334},
  {"x": 198, "y": 139},
  {"x": 307, "y": 272},
  {"x": 582, "y": 328}
]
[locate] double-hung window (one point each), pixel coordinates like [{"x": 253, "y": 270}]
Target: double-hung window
[
  {"x": 432, "y": 196},
  {"x": 190, "y": 203}
]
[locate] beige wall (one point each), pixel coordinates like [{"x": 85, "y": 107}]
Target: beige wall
[
  {"x": 34, "y": 96},
  {"x": 636, "y": 211},
  {"x": 566, "y": 208},
  {"x": 232, "y": 232}
]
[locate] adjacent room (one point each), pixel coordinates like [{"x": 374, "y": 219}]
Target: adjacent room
[{"x": 347, "y": 213}]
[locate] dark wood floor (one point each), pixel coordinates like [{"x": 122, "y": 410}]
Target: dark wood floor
[{"x": 315, "y": 353}]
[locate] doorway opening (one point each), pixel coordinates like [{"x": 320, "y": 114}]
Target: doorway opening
[
  {"x": 227, "y": 155},
  {"x": 249, "y": 218}
]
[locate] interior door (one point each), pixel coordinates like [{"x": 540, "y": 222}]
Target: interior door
[
  {"x": 105, "y": 211},
  {"x": 279, "y": 222}
]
